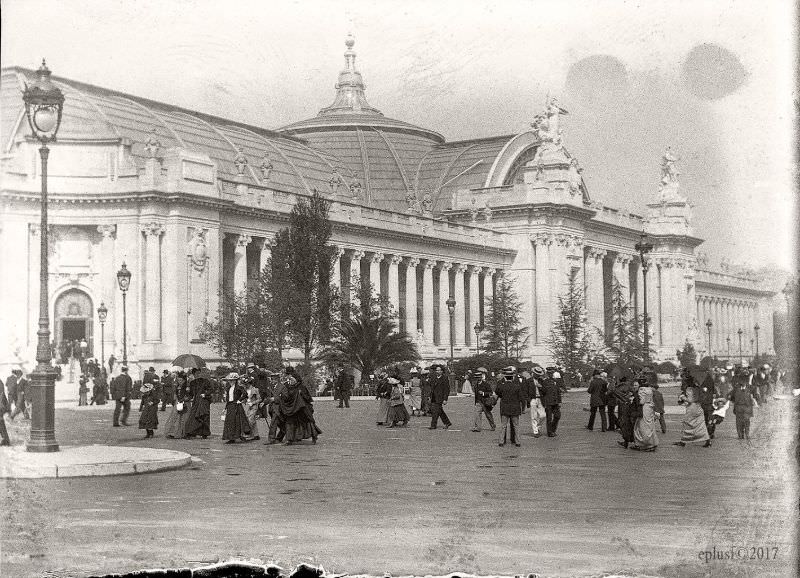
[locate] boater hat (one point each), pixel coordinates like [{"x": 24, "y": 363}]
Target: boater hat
[
  {"x": 232, "y": 376},
  {"x": 538, "y": 371}
]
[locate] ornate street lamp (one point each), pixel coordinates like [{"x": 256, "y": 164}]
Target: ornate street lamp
[
  {"x": 124, "y": 281},
  {"x": 756, "y": 328},
  {"x": 102, "y": 315},
  {"x": 728, "y": 339},
  {"x": 741, "y": 359},
  {"x": 451, "y": 308},
  {"x": 751, "y": 349},
  {"x": 478, "y": 328},
  {"x": 44, "y": 103},
  {"x": 643, "y": 247},
  {"x": 709, "y": 325}
]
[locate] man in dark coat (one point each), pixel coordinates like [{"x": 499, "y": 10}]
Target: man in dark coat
[
  {"x": 111, "y": 361},
  {"x": 343, "y": 387},
  {"x": 597, "y": 401},
  {"x": 625, "y": 395},
  {"x": 11, "y": 384},
  {"x": 707, "y": 391},
  {"x": 440, "y": 391},
  {"x": 483, "y": 399},
  {"x": 168, "y": 389},
  {"x": 551, "y": 400},
  {"x": 121, "y": 390},
  {"x": 4, "y": 409},
  {"x": 20, "y": 404},
  {"x": 512, "y": 400},
  {"x": 425, "y": 382}
]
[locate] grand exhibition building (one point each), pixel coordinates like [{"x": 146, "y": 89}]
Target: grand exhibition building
[{"x": 191, "y": 202}]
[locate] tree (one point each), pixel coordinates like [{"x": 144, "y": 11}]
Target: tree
[
  {"x": 274, "y": 297},
  {"x": 505, "y": 334},
  {"x": 312, "y": 300},
  {"x": 368, "y": 338},
  {"x": 626, "y": 341},
  {"x": 686, "y": 356},
  {"x": 235, "y": 332},
  {"x": 569, "y": 341}
]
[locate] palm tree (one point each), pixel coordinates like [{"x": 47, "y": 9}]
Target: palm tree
[{"x": 369, "y": 340}]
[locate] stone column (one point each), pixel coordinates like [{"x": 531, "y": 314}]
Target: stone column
[
  {"x": 266, "y": 254},
  {"x": 620, "y": 270},
  {"x": 654, "y": 301},
  {"x": 336, "y": 274},
  {"x": 558, "y": 275},
  {"x": 375, "y": 271},
  {"x": 152, "y": 281},
  {"x": 474, "y": 303},
  {"x": 355, "y": 274},
  {"x": 543, "y": 242},
  {"x": 595, "y": 307},
  {"x": 411, "y": 297},
  {"x": 427, "y": 300},
  {"x": 444, "y": 314},
  {"x": 240, "y": 263},
  {"x": 392, "y": 279},
  {"x": 488, "y": 292},
  {"x": 108, "y": 285},
  {"x": 460, "y": 320}
]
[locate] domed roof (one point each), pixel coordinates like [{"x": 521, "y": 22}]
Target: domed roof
[{"x": 350, "y": 107}]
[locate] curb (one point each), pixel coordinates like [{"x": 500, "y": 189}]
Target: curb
[{"x": 88, "y": 461}]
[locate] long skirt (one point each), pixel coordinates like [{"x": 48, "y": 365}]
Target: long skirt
[
  {"x": 414, "y": 400},
  {"x": 694, "y": 425},
  {"x": 198, "y": 420},
  {"x": 644, "y": 432},
  {"x": 236, "y": 423},
  {"x": 149, "y": 417},
  {"x": 176, "y": 422},
  {"x": 253, "y": 412},
  {"x": 398, "y": 413},
  {"x": 625, "y": 423},
  {"x": 383, "y": 410},
  {"x": 301, "y": 426}
]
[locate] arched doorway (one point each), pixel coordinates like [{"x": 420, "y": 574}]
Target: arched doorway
[{"x": 74, "y": 317}]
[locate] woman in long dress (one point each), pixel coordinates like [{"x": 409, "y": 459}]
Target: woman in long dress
[
  {"x": 198, "y": 419},
  {"x": 175, "y": 427},
  {"x": 253, "y": 410},
  {"x": 148, "y": 420},
  {"x": 625, "y": 399},
  {"x": 644, "y": 431},
  {"x": 694, "y": 423},
  {"x": 237, "y": 426},
  {"x": 382, "y": 394},
  {"x": 397, "y": 411},
  {"x": 296, "y": 405},
  {"x": 415, "y": 395}
]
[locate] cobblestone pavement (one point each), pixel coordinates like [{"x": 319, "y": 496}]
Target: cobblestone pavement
[{"x": 368, "y": 499}]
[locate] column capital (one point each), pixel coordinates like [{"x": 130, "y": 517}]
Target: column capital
[
  {"x": 376, "y": 257},
  {"x": 444, "y": 267},
  {"x": 357, "y": 254},
  {"x": 542, "y": 239},
  {"x": 459, "y": 268},
  {"x": 623, "y": 259},
  {"x": 337, "y": 254},
  {"x": 474, "y": 268},
  {"x": 107, "y": 231},
  {"x": 243, "y": 241},
  {"x": 596, "y": 253},
  {"x": 152, "y": 228},
  {"x": 395, "y": 259},
  {"x": 412, "y": 262},
  {"x": 430, "y": 265}
]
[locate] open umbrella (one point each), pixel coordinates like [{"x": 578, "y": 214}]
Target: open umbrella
[{"x": 189, "y": 360}]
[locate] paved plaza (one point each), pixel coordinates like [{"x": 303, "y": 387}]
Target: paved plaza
[{"x": 368, "y": 499}]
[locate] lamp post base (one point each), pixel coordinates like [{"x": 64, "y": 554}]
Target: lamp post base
[{"x": 42, "y": 389}]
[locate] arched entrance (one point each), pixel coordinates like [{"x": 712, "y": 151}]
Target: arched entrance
[{"x": 74, "y": 317}]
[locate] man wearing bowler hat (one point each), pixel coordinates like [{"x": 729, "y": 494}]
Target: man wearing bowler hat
[{"x": 121, "y": 390}]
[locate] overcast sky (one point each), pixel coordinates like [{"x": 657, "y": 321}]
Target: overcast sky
[{"x": 711, "y": 79}]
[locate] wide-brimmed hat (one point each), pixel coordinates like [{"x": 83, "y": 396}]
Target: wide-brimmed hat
[
  {"x": 510, "y": 370},
  {"x": 393, "y": 381},
  {"x": 232, "y": 376},
  {"x": 538, "y": 371},
  {"x": 482, "y": 370},
  {"x": 413, "y": 370},
  {"x": 249, "y": 365},
  {"x": 146, "y": 387}
]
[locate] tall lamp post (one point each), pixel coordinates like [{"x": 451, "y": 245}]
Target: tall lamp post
[
  {"x": 124, "y": 281},
  {"x": 451, "y": 309},
  {"x": 728, "y": 339},
  {"x": 751, "y": 349},
  {"x": 478, "y": 330},
  {"x": 709, "y": 325},
  {"x": 741, "y": 359},
  {"x": 102, "y": 315},
  {"x": 643, "y": 248},
  {"x": 756, "y": 328},
  {"x": 44, "y": 103}
]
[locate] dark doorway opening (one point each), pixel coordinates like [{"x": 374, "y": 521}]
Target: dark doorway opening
[{"x": 73, "y": 329}]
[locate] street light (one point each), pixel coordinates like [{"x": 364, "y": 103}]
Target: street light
[
  {"x": 751, "y": 349},
  {"x": 643, "y": 248},
  {"x": 728, "y": 339},
  {"x": 478, "y": 330},
  {"x": 102, "y": 315},
  {"x": 124, "y": 281},
  {"x": 756, "y": 328},
  {"x": 709, "y": 325},
  {"x": 44, "y": 103},
  {"x": 741, "y": 359},
  {"x": 451, "y": 308}
]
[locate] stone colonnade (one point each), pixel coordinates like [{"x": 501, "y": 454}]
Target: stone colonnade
[{"x": 728, "y": 315}]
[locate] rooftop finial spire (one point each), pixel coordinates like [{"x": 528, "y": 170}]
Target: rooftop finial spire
[{"x": 350, "y": 97}]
